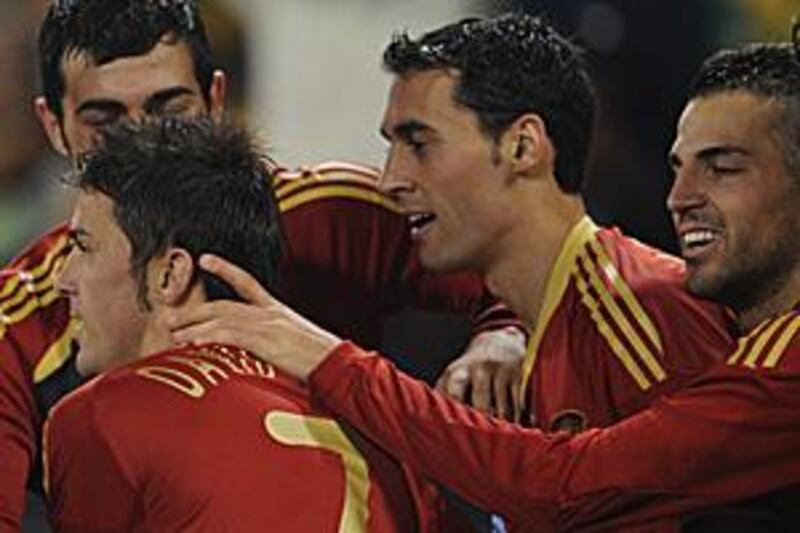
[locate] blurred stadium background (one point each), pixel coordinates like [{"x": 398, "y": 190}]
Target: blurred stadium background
[{"x": 307, "y": 74}]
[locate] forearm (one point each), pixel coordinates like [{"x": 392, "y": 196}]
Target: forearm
[{"x": 667, "y": 461}]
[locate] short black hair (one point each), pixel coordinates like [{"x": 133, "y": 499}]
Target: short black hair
[
  {"x": 192, "y": 183},
  {"x": 511, "y": 65},
  {"x": 766, "y": 70},
  {"x": 106, "y": 30}
]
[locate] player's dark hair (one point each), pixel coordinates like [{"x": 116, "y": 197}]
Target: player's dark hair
[
  {"x": 106, "y": 30},
  {"x": 190, "y": 183},
  {"x": 508, "y": 66},
  {"x": 767, "y": 70}
]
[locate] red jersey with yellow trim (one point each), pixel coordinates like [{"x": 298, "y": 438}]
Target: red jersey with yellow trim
[
  {"x": 210, "y": 439},
  {"x": 730, "y": 434},
  {"x": 616, "y": 330},
  {"x": 35, "y": 337},
  {"x": 348, "y": 262},
  {"x": 349, "y": 258}
]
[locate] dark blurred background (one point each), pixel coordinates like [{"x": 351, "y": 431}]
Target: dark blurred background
[{"x": 306, "y": 72}]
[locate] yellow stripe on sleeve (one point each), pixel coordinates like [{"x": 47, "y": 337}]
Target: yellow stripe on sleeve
[
  {"x": 337, "y": 191},
  {"x": 37, "y": 271},
  {"x": 763, "y": 339},
  {"x": 779, "y": 349},
  {"x": 610, "y": 304},
  {"x": 288, "y": 182},
  {"x": 608, "y": 333},
  {"x": 742, "y": 343},
  {"x": 627, "y": 295},
  {"x": 57, "y": 354},
  {"x": 554, "y": 292}
]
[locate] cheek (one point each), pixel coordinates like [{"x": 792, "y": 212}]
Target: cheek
[{"x": 80, "y": 138}]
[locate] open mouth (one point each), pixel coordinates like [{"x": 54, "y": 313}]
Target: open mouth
[
  {"x": 419, "y": 221},
  {"x": 696, "y": 242}
]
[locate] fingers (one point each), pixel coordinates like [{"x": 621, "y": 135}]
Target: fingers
[
  {"x": 506, "y": 389},
  {"x": 481, "y": 383},
  {"x": 242, "y": 282},
  {"x": 516, "y": 396},
  {"x": 489, "y": 386},
  {"x": 501, "y": 391},
  {"x": 454, "y": 382}
]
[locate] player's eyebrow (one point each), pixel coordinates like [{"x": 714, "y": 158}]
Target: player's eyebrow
[
  {"x": 709, "y": 153},
  {"x": 716, "y": 151},
  {"x": 158, "y": 99},
  {"x": 153, "y": 102},
  {"x": 405, "y": 130},
  {"x": 101, "y": 104}
]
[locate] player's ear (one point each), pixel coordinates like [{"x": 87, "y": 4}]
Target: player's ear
[
  {"x": 172, "y": 276},
  {"x": 51, "y": 124},
  {"x": 217, "y": 95},
  {"x": 527, "y": 145}
]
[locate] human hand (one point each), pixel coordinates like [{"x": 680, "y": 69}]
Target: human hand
[
  {"x": 261, "y": 324},
  {"x": 488, "y": 375}
]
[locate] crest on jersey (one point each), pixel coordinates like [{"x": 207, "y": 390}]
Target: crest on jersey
[{"x": 570, "y": 420}]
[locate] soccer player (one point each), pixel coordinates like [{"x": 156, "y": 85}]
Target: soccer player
[
  {"x": 196, "y": 437},
  {"x": 348, "y": 258},
  {"x": 730, "y": 433}
]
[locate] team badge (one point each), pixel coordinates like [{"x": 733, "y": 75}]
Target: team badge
[{"x": 571, "y": 420}]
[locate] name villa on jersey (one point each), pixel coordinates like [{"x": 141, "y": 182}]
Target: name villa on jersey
[{"x": 206, "y": 368}]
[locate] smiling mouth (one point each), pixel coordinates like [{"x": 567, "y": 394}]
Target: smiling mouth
[
  {"x": 696, "y": 243},
  {"x": 419, "y": 221}
]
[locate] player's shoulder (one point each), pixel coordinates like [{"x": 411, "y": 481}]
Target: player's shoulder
[
  {"x": 40, "y": 255},
  {"x": 332, "y": 181},
  {"x": 28, "y": 283},
  {"x": 772, "y": 344},
  {"x": 640, "y": 264},
  {"x": 653, "y": 276}
]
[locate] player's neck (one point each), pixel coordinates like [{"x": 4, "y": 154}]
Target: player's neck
[
  {"x": 520, "y": 277},
  {"x": 157, "y": 336},
  {"x": 782, "y": 300}
]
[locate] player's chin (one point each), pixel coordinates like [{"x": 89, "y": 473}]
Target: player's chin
[
  {"x": 88, "y": 360},
  {"x": 440, "y": 258}
]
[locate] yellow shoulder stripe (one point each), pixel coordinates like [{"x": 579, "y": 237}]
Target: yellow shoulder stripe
[
  {"x": 57, "y": 354},
  {"x": 609, "y": 302},
  {"x": 763, "y": 339},
  {"x": 783, "y": 341},
  {"x": 744, "y": 342},
  {"x": 285, "y": 186},
  {"x": 28, "y": 291},
  {"x": 337, "y": 191},
  {"x": 554, "y": 292},
  {"x": 766, "y": 333},
  {"x": 627, "y": 295},
  {"x": 42, "y": 268},
  {"x": 608, "y": 333}
]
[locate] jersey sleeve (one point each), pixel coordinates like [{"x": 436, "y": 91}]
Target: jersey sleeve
[
  {"x": 18, "y": 433},
  {"x": 731, "y": 434},
  {"x": 87, "y": 487},
  {"x": 32, "y": 320},
  {"x": 349, "y": 258}
]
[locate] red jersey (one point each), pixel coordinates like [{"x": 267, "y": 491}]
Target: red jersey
[
  {"x": 348, "y": 262},
  {"x": 730, "y": 434},
  {"x": 209, "y": 439},
  {"x": 348, "y": 257},
  {"x": 35, "y": 336},
  {"x": 616, "y": 331}
]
